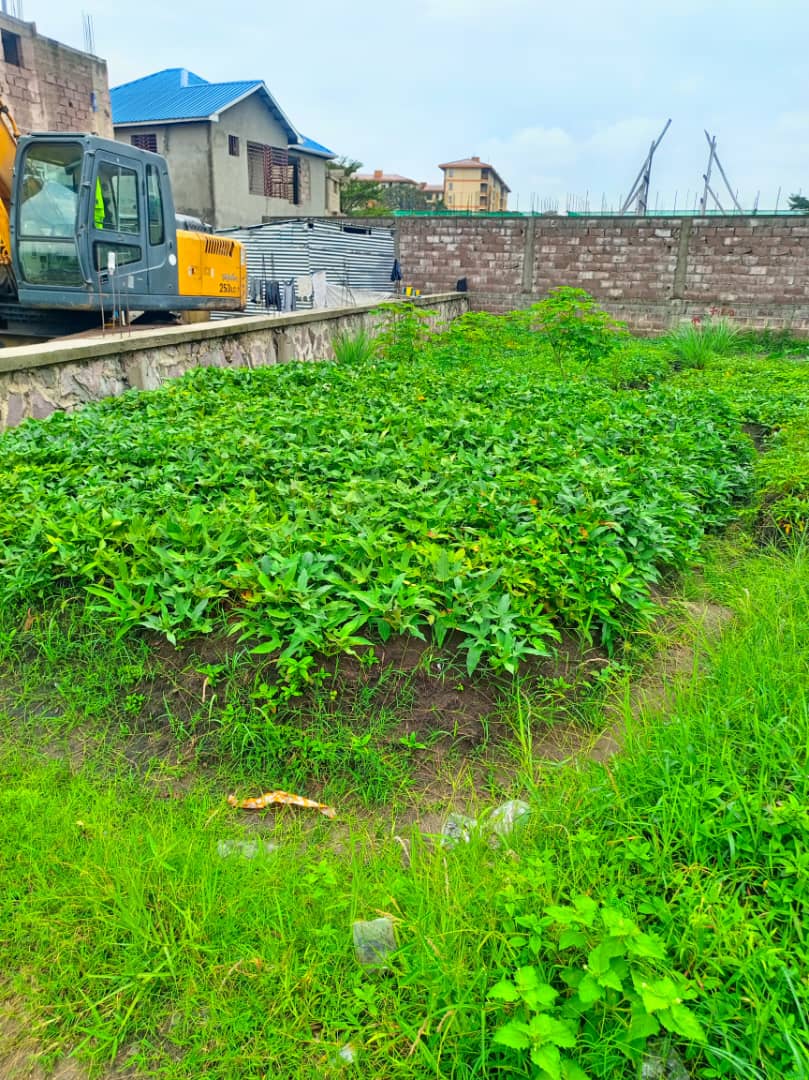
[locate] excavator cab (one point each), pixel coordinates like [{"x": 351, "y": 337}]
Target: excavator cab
[{"x": 93, "y": 227}]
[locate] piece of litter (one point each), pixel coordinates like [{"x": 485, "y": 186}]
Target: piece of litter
[
  {"x": 248, "y": 849},
  {"x": 347, "y": 1053},
  {"x": 281, "y": 798},
  {"x": 503, "y": 819},
  {"x": 669, "y": 1067},
  {"x": 373, "y": 941},
  {"x": 457, "y": 829}
]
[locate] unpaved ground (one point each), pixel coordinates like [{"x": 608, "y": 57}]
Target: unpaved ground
[
  {"x": 21, "y": 1051},
  {"x": 428, "y": 694}
]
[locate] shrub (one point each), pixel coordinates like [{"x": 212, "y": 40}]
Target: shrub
[
  {"x": 404, "y": 333},
  {"x": 575, "y": 327}
]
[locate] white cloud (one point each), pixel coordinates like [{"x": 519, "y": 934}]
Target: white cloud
[
  {"x": 551, "y": 146},
  {"x": 626, "y": 137}
]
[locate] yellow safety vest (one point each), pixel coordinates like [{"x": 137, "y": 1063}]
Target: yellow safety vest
[{"x": 99, "y": 207}]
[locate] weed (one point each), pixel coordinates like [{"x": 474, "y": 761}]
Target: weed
[
  {"x": 358, "y": 348},
  {"x": 693, "y": 343}
]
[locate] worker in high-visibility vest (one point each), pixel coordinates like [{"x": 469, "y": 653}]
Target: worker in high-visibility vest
[{"x": 99, "y": 214}]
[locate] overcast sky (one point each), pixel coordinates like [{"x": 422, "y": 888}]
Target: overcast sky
[{"x": 563, "y": 98}]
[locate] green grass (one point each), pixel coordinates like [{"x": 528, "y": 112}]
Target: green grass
[
  {"x": 675, "y": 873},
  {"x": 125, "y": 932},
  {"x": 354, "y": 348},
  {"x": 695, "y": 343}
]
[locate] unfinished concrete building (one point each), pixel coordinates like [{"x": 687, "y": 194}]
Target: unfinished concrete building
[{"x": 49, "y": 86}]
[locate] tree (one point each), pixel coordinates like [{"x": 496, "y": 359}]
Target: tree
[
  {"x": 798, "y": 202},
  {"x": 367, "y": 198},
  {"x": 358, "y": 198},
  {"x": 405, "y": 197}
]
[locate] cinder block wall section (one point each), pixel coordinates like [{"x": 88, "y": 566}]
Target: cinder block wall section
[
  {"x": 651, "y": 271},
  {"x": 52, "y": 87}
]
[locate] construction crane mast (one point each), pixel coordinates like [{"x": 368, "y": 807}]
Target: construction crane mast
[{"x": 639, "y": 192}]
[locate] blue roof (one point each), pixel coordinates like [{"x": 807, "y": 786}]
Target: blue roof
[
  {"x": 315, "y": 147},
  {"x": 176, "y": 94}
]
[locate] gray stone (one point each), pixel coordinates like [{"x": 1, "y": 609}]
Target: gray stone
[
  {"x": 346, "y": 1055},
  {"x": 248, "y": 849},
  {"x": 135, "y": 370},
  {"x": 40, "y": 406},
  {"x": 374, "y": 941},
  {"x": 457, "y": 829},
  {"x": 15, "y": 410},
  {"x": 88, "y": 379}
]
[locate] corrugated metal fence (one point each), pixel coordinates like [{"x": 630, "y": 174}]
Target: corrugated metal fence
[{"x": 357, "y": 258}]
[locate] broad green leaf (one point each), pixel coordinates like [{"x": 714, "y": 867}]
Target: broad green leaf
[
  {"x": 601, "y": 957},
  {"x": 642, "y": 1026},
  {"x": 564, "y": 916},
  {"x": 589, "y": 990},
  {"x": 656, "y": 993},
  {"x": 544, "y": 1028},
  {"x": 572, "y": 1071},
  {"x": 682, "y": 1021},
  {"x": 587, "y": 909},
  {"x": 504, "y": 991},
  {"x": 548, "y": 1059},
  {"x": 514, "y": 1035},
  {"x": 572, "y": 939}
]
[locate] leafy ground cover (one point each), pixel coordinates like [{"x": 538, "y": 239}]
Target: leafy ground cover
[
  {"x": 512, "y": 480},
  {"x": 481, "y": 496}
]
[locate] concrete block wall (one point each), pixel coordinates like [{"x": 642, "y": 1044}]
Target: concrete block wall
[
  {"x": 651, "y": 271},
  {"x": 54, "y": 87}
]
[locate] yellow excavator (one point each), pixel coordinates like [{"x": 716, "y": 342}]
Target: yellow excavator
[{"x": 89, "y": 235}]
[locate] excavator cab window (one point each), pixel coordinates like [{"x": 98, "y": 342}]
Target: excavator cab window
[
  {"x": 116, "y": 210},
  {"x": 48, "y": 208},
  {"x": 157, "y": 224},
  {"x": 117, "y": 199}
]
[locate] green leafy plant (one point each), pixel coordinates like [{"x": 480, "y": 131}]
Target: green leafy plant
[
  {"x": 446, "y": 489},
  {"x": 595, "y": 990},
  {"x": 575, "y": 327},
  {"x": 405, "y": 330}
]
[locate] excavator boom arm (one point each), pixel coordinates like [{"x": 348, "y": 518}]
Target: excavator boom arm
[{"x": 9, "y": 133}]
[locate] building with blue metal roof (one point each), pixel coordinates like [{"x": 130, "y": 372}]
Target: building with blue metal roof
[{"x": 234, "y": 156}]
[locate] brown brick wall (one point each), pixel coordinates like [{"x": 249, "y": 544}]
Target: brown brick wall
[
  {"x": 436, "y": 252},
  {"x": 55, "y": 88},
  {"x": 612, "y": 259},
  {"x": 650, "y": 271}
]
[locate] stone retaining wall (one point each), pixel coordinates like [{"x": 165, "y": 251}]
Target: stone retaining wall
[{"x": 36, "y": 380}]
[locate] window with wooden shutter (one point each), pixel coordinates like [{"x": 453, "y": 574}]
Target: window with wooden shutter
[
  {"x": 233, "y": 145},
  {"x": 255, "y": 168},
  {"x": 145, "y": 142},
  {"x": 279, "y": 186},
  {"x": 269, "y": 172}
]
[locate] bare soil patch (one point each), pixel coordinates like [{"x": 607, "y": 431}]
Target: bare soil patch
[{"x": 21, "y": 1052}]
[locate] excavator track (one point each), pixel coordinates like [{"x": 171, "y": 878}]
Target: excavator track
[{"x": 40, "y": 324}]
